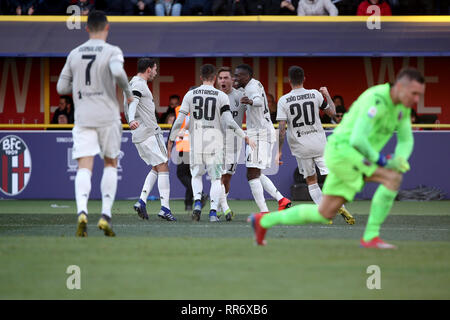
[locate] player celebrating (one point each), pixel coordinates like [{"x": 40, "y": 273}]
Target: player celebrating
[
  {"x": 148, "y": 139},
  {"x": 90, "y": 74},
  {"x": 261, "y": 128},
  {"x": 353, "y": 157},
  {"x": 232, "y": 147},
  {"x": 209, "y": 109},
  {"x": 306, "y": 137}
]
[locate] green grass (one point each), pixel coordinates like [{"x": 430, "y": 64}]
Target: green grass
[{"x": 156, "y": 259}]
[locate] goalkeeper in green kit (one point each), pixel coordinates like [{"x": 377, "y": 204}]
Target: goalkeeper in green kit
[{"x": 352, "y": 155}]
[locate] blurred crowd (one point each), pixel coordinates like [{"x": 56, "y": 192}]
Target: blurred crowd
[{"x": 227, "y": 7}]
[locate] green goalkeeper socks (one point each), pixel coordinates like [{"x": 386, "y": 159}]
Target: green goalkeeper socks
[
  {"x": 382, "y": 202},
  {"x": 298, "y": 215}
]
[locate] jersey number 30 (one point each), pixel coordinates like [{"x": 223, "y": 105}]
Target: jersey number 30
[
  {"x": 296, "y": 110},
  {"x": 204, "y": 108}
]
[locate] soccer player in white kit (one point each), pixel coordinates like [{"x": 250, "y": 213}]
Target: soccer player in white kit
[
  {"x": 259, "y": 128},
  {"x": 148, "y": 139},
  {"x": 90, "y": 74},
  {"x": 209, "y": 110},
  {"x": 233, "y": 145},
  {"x": 299, "y": 109}
]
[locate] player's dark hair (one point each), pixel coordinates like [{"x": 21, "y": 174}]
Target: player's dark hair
[
  {"x": 97, "y": 21},
  {"x": 207, "y": 71},
  {"x": 174, "y": 96},
  {"x": 411, "y": 74},
  {"x": 246, "y": 68},
  {"x": 145, "y": 63},
  {"x": 224, "y": 69},
  {"x": 296, "y": 75}
]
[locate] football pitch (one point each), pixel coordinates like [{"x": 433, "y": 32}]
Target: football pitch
[{"x": 162, "y": 260}]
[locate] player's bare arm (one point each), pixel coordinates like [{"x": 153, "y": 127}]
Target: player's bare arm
[
  {"x": 169, "y": 148},
  {"x": 282, "y": 135},
  {"x": 331, "y": 110}
]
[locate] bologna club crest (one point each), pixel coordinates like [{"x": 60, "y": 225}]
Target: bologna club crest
[{"x": 15, "y": 168}]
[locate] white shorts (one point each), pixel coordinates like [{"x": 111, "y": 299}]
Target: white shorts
[
  {"x": 232, "y": 155},
  {"x": 230, "y": 168},
  {"x": 153, "y": 150},
  {"x": 200, "y": 163},
  {"x": 89, "y": 141},
  {"x": 261, "y": 156},
  {"x": 307, "y": 167},
  {"x": 215, "y": 171}
]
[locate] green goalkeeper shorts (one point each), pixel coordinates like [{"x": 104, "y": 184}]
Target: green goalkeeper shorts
[{"x": 347, "y": 170}]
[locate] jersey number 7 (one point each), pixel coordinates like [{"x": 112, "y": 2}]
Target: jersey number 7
[{"x": 88, "y": 68}]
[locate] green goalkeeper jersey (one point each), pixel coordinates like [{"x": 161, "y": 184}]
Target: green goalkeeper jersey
[{"x": 371, "y": 122}]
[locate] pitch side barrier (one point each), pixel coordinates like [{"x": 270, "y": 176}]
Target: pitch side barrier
[
  {"x": 37, "y": 164},
  {"x": 243, "y": 36}
]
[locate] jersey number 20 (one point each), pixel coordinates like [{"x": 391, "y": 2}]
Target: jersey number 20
[
  {"x": 204, "y": 108},
  {"x": 296, "y": 110}
]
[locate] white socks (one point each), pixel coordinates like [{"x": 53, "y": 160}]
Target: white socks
[
  {"x": 148, "y": 185},
  {"x": 258, "y": 194},
  {"x": 197, "y": 187},
  {"x": 215, "y": 193},
  {"x": 164, "y": 188},
  {"x": 223, "y": 200},
  {"x": 315, "y": 193},
  {"x": 108, "y": 187},
  {"x": 82, "y": 189},
  {"x": 270, "y": 187}
]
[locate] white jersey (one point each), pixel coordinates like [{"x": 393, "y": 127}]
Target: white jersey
[
  {"x": 305, "y": 134},
  {"x": 145, "y": 111},
  {"x": 93, "y": 85},
  {"x": 259, "y": 125},
  {"x": 205, "y": 105},
  {"x": 232, "y": 142},
  {"x": 236, "y": 107}
]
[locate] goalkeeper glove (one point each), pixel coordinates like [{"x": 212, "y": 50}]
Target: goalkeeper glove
[{"x": 397, "y": 163}]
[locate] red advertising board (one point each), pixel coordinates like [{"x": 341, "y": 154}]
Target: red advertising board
[{"x": 23, "y": 84}]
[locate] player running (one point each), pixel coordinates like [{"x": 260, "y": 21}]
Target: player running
[
  {"x": 259, "y": 128},
  {"x": 90, "y": 74},
  {"x": 299, "y": 109},
  {"x": 353, "y": 157},
  {"x": 148, "y": 139},
  {"x": 209, "y": 109}
]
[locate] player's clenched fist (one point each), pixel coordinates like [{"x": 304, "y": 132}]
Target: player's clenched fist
[
  {"x": 246, "y": 100},
  {"x": 134, "y": 125},
  {"x": 324, "y": 91}
]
